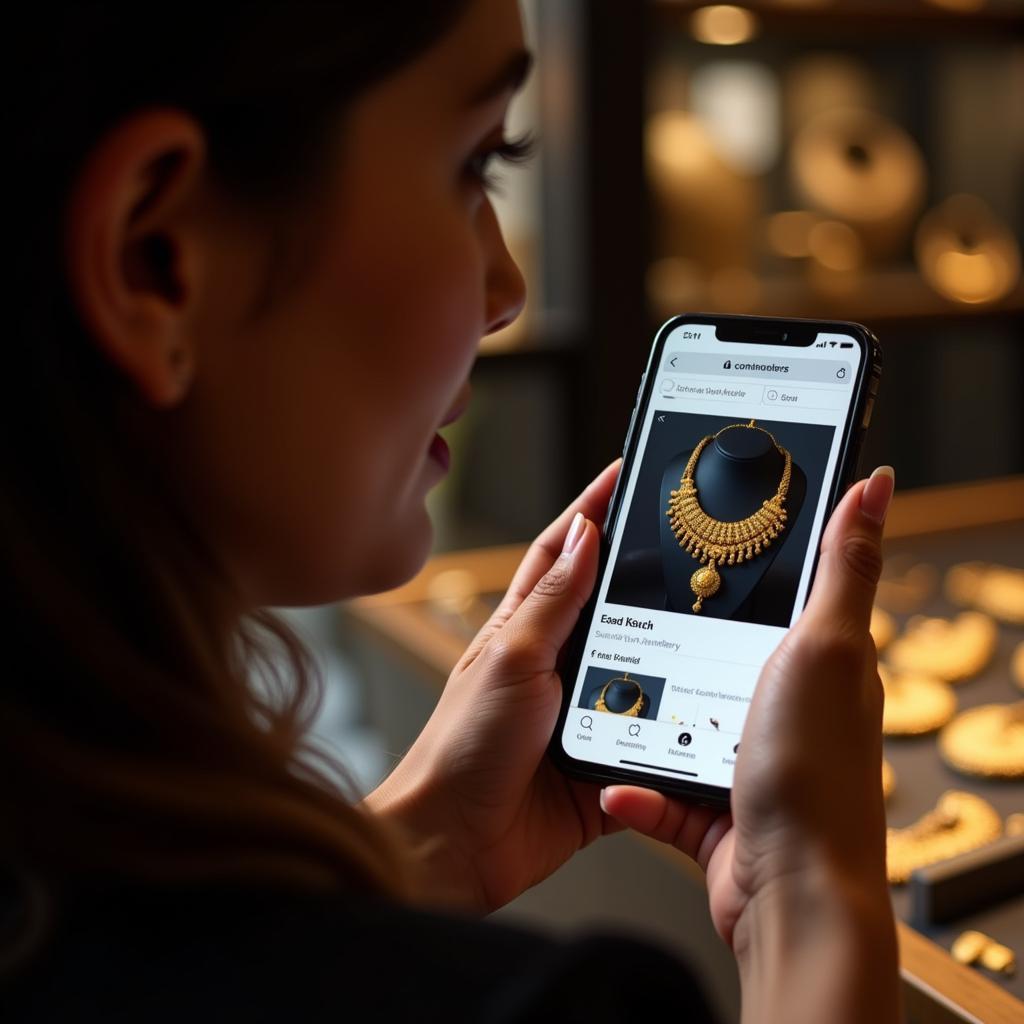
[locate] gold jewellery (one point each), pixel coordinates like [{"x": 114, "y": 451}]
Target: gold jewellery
[
  {"x": 960, "y": 822},
  {"x": 987, "y": 741},
  {"x": 915, "y": 704},
  {"x": 949, "y": 649},
  {"x": 632, "y": 712},
  {"x": 888, "y": 779},
  {"x": 715, "y": 542},
  {"x": 882, "y": 628},
  {"x": 973, "y": 947},
  {"x": 997, "y": 590}
]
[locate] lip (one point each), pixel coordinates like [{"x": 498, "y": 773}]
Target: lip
[{"x": 440, "y": 453}]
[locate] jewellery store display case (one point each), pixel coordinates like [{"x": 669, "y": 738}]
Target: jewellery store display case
[{"x": 421, "y": 629}]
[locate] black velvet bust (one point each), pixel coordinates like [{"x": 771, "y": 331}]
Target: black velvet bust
[
  {"x": 735, "y": 473},
  {"x": 620, "y": 696}
]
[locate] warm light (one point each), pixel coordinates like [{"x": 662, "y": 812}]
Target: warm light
[
  {"x": 965, "y": 253},
  {"x": 789, "y": 233},
  {"x": 970, "y": 276},
  {"x": 858, "y": 166},
  {"x": 723, "y": 25},
  {"x": 677, "y": 145},
  {"x": 737, "y": 102},
  {"x": 835, "y": 245},
  {"x": 958, "y": 5}
]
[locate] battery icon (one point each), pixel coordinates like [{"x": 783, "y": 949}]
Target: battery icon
[{"x": 846, "y": 344}]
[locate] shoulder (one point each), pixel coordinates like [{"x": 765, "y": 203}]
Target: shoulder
[{"x": 162, "y": 954}]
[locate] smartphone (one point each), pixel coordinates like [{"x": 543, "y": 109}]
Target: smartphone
[{"x": 745, "y": 434}]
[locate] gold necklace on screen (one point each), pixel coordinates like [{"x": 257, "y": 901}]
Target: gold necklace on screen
[
  {"x": 715, "y": 542},
  {"x": 631, "y": 712}
]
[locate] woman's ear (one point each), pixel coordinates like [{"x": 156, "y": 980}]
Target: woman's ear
[{"x": 132, "y": 253}]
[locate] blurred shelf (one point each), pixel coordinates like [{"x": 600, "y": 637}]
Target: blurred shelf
[
  {"x": 870, "y": 18},
  {"x": 880, "y": 295},
  {"x": 937, "y": 509}
]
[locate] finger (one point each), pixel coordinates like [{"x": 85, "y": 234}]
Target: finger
[
  {"x": 691, "y": 828},
  {"x": 851, "y": 557},
  {"x": 535, "y": 632},
  {"x": 592, "y": 503}
]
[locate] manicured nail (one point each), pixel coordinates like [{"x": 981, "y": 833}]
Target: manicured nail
[
  {"x": 874, "y": 501},
  {"x": 572, "y": 538}
]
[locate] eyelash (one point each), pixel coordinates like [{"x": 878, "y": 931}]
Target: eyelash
[{"x": 509, "y": 151}]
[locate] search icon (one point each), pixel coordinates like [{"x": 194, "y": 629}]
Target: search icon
[{"x": 586, "y": 722}]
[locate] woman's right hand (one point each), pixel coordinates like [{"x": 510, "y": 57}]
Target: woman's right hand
[{"x": 796, "y": 877}]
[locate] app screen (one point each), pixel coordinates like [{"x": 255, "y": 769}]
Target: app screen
[{"x": 663, "y": 687}]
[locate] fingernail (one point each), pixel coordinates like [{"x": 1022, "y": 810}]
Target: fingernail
[
  {"x": 572, "y": 538},
  {"x": 604, "y": 810},
  {"x": 874, "y": 502}
]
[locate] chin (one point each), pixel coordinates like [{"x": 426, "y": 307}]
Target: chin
[{"x": 394, "y": 564}]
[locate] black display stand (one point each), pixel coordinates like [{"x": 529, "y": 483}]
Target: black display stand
[
  {"x": 619, "y": 696},
  {"x": 735, "y": 473}
]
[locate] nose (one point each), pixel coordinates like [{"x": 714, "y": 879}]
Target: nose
[{"x": 506, "y": 287}]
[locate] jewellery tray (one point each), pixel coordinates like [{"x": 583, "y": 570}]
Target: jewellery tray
[{"x": 405, "y": 643}]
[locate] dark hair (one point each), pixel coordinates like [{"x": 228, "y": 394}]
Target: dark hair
[{"x": 131, "y": 737}]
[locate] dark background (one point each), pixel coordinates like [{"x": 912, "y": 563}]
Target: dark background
[{"x": 640, "y": 554}]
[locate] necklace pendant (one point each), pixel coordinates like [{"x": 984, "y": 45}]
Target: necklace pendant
[{"x": 705, "y": 583}]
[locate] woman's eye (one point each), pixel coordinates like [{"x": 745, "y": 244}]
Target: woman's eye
[{"x": 480, "y": 166}]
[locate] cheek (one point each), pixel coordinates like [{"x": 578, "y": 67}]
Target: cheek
[
  {"x": 409, "y": 272},
  {"x": 308, "y": 437}
]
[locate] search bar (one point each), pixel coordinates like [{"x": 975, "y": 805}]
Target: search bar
[
  {"x": 711, "y": 390},
  {"x": 781, "y": 369},
  {"x": 804, "y": 398}
]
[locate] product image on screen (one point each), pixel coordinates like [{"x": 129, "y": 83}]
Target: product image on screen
[
  {"x": 712, "y": 550},
  {"x": 719, "y": 522}
]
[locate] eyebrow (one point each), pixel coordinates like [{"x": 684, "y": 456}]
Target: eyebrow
[{"x": 511, "y": 76}]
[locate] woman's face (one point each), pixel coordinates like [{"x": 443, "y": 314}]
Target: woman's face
[{"x": 307, "y": 440}]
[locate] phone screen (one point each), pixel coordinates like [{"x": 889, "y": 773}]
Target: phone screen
[{"x": 674, "y": 646}]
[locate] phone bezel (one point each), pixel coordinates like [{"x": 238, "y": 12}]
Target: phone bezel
[{"x": 865, "y": 388}]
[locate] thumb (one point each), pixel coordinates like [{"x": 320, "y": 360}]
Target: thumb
[
  {"x": 851, "y": 557},
  {"x": 536, "y": 631}
]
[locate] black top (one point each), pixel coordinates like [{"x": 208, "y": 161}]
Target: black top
[{"x": 156, "y": 954}]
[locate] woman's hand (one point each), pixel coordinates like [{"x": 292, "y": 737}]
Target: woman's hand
[
  {"x": 488, "y": 812},
  {"x": 797, "y": 879}
]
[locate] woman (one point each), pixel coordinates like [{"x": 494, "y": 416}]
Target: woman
[{"x": 258, "y": 257}]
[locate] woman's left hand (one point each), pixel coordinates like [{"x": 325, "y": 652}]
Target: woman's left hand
[{"x": 487, "y": 811}]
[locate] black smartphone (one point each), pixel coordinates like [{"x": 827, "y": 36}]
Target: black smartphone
[{"x": 745, "y": 434}]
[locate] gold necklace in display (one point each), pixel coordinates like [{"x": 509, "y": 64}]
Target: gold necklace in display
[
  {"x": 716, "y": 542},
  {"x": 630, "y": 712}
]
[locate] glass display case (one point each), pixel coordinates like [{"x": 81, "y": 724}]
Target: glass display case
[{"x": 419, "y": 631}]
